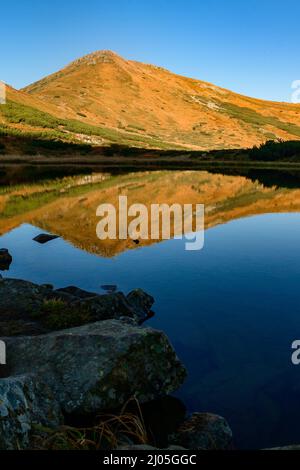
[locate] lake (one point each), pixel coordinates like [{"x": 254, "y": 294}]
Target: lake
[{"x": 231, "y": 310}]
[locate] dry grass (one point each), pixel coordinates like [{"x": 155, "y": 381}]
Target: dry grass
[
  {"x": 138, "y": 105},
  {"x": 109, "y": 432}
]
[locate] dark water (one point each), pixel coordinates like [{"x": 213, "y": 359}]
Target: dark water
[{"x": 231, "y": 310}]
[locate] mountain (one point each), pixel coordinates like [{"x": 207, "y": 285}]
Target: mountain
[{"x": 103, "y": 98}]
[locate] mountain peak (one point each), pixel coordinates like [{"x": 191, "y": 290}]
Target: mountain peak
[
  {"x": 140, "y": 101},
  {"x": 98, "y": 57}
]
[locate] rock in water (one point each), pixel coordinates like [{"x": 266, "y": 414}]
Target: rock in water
[
  {"x": 109, "y": 287},
  {"x": 5, "y": 259},
  {"x": 99, "y": 366},
  {"x": 44, "y": 238},
  {"x": 204, "y": 431},
  {"x": 141, "y": 302},
  {"x": 24, "y": 403}
]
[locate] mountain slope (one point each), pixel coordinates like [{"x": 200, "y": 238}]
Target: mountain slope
[
  {"x": 31, "y": 125},
  {"x": 103, "y": 89}
]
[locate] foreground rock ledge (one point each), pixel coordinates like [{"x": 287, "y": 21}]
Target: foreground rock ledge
[
  {"x": 100, "y": 365},
  {"x": 25, "y": 402},
  {"x": 24, "y": 307}
]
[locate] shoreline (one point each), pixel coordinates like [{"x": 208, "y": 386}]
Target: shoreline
[{"x": 146, "y": 163}]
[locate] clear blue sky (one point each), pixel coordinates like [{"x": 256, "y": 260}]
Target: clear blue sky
[{"x": 251, "y": 47}]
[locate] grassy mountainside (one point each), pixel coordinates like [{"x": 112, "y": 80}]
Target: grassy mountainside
[
  {"x": 103, "y": 99},
  {"x": 31, "y": 125},
  {"x": 107, "y": 90}
]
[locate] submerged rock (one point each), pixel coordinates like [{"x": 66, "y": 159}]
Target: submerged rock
[
  {"x": 25, "y": 402},
  {"x": 5, "y": 259},
  {"x": 109, "y": 287},
  {"x": 99, "y": 366},
  {"x": 204, "y": 431}
]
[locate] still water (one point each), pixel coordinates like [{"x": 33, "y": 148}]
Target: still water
[{"x": 231, "y": 310}]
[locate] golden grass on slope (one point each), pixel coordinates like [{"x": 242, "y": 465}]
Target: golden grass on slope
[{"x": 106, "y": 90}]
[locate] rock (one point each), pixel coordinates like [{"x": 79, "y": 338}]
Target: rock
[
  {"x": 44, "y": 238},
  {"x": 109, "y": 287},
  {"x": 28, "y": 304},
  {"x": 25, "y": 402},
  {"x": 134, "y": 447},
  {"x": 142, "y": 303},
  {"x": 203, "y": 431},
  {"x": 5, "y": 259},
  {"x": 111, "y": 306},
  {"x": 20, "y": 298},
  {"x": 77, "y": 292},
  {"x": 99, "y": 366},
  {"x": 48, "y": 286},
  {"x": 163, "y": 417},
  {"x": 291, "y": 447},
  {"x": 176, "y": 448}
]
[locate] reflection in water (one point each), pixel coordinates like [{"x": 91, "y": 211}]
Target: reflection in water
[
  {"x": 231, "y": 310},
  {"x": 67, "y": 206}
]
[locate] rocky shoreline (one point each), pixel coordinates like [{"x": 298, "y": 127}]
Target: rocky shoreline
[{"x": 72, "y": 354}]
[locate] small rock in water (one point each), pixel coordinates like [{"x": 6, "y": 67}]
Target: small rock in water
[
  {"x": 44, "y": 238},
  {"x": 109, "y": 288},
  {"x": 5, "y": 259}
]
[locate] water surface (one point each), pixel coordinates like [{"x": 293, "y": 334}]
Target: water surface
[{"x": 231, "y": 310}]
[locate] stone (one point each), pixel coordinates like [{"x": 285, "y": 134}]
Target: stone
[
  {"x": 45, "y": 238},
  {"x": 142, "y": 303},
  {"x": 291, "y": 447},
  {"x": 134, "y": 447},
  {"x": 24, "y": 303},
  {"x": 203, "y": 431},
  {"x": 99, "y": 366},
  {"x": 109, "y": 287},
  {"x": 77, "y": 292},
  {"x": 25, "y": 403},
  {"x": 19, "y": 298},
  {"x": 5, "y": 259}
]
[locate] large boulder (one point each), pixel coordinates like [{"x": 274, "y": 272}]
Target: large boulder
[
  {"x": 99, "y": 366},
  {"x": 204, "y": 431},
  {"x": 25, "y": 402}
]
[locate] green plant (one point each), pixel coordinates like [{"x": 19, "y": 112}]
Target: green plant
[{"x": 57, "y": 314}]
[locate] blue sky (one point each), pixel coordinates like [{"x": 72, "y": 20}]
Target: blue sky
[{"x": 250, "y": 47}]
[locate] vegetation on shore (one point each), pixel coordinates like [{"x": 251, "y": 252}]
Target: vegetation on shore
[
  {"x": 29, "y": 131},
  {"x": 107, "y": 432}
]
